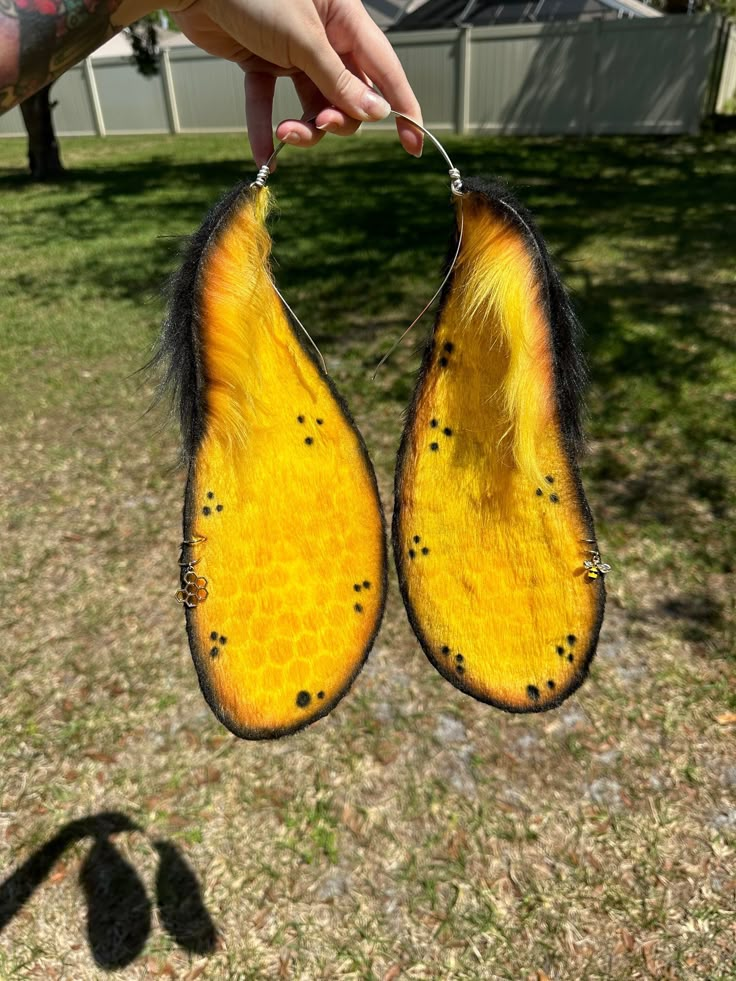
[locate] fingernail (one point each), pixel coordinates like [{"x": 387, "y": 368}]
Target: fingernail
[
  {"x": 292, "y": 138},
  {"x": 325, "y": 127},
  {"x": 417, "y": 153},
  {"x": 374, "y": 106}
]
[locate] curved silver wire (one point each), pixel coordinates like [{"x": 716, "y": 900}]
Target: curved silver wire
[
  {"x": 264, "y": 171},
  {"x": 456, "y": 186},
  {"x": 416, "y": 320},
  {"x": 309, "y": 336}
]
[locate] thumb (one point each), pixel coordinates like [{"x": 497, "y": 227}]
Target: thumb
[{"x": 321, "y": 63}]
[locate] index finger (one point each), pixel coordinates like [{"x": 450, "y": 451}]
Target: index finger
[{"x": 374, "y": 55}]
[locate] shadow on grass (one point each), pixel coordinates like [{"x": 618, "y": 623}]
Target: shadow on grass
[
  {"x": 118, "y": 907},
  {"x": 356, "y": 226},
  {"x": 641, "y": 229}
]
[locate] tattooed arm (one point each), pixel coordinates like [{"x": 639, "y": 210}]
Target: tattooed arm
[
  {"x": 40, "y": 39},
  {"x": 330, "y": 48}
]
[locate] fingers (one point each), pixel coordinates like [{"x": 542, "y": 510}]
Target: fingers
[
  {"x": 334, "y": 63},
  {"x": 317, "y": 120},
  {"x": 302, "y": 132},
  {"x": 322, "y": 64},
  {"x": 259, "y": 90},
  {"x": 331, "y": 120},
  {"x": 298, "y": 132},
  {"x": 375, "y": 56}
]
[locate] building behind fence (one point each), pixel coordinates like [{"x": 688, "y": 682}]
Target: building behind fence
[{"x": 656, "y": 75}]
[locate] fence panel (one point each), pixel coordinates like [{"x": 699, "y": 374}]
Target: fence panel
[
  {"x": 653, "y": 79},
  {"x": 11, "y": 124},
  {"x": 209, "y": 93},
  {"x": 74, "y": 112},
  {"x": 73, "y": 115},
  {"x": 531, "y": 78},
  {"x": 647, "y": 75},
  {"x": 130, "y": 102},
  {"x": 430, "y": 60},
  {"x": 727, "y": 89}
]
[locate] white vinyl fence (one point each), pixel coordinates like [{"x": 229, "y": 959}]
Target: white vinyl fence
[
  {"x": 625, "y": 76},
  {"x": 726, "y": 93}
]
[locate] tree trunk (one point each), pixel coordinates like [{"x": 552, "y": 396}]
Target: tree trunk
[{"x": 43, "y": 150}]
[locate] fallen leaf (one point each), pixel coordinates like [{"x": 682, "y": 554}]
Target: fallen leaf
[
  {"x": 284, "y": 958},
  {"x": 457, "y": 845},
  {"x": 393, "y": 972},
  {"x": 205, "y": 775},
  {"x": 726, "y": 719},
  {"x": 195, "y": 972},
  {"x": 351, "y": 819},
  {"x": 99, "y": 757},
  {"x": 386, "y": 751},
  {"x": 260, "y": 918},
  {"x": 59, "y": 874},
  {"x": 647, "y": 951}
]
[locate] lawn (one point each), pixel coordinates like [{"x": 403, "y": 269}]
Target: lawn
[{"x": 414, "y": 833}]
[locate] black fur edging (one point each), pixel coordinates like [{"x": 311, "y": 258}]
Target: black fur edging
[
  {"x": 180, "y": 351},
  {"x": 569, "y": 381}
]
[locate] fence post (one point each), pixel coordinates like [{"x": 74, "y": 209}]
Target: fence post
[
  {"x": 169, "y": 93},
  {"x": 94, "y": 97},
  {"x": 591, "y": 92},
  {"x": 463, "y": 80}
]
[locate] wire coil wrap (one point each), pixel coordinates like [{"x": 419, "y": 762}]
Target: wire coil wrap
[{"x": 263, "y": 174}]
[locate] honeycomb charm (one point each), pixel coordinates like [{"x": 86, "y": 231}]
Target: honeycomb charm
[{"x": 194, "y": 590}]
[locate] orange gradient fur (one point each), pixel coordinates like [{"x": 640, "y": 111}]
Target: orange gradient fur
[
  {"x": 490, "y": 517},
  {"x": 283, "y": 491}
]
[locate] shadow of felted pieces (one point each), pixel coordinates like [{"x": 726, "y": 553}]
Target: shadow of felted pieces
[
  {"x": 118, "y": 909},
  {"x": 20, "y": 886},
  {"x": 180, "y": 905}
]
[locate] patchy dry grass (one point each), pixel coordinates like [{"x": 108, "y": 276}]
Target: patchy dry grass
[{"x": 414, "y": 833}]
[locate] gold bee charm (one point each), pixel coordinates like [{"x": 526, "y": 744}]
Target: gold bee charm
[{"x": 595, "y": 568}]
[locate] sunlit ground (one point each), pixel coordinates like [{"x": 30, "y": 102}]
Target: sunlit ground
[{"x": 413, "y": 833}]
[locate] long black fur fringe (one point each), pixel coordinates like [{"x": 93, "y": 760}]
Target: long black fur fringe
[{"x": 177, "y": 353}]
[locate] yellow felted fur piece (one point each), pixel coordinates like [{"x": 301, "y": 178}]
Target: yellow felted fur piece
[
  {"x": 490, "y": 519},
  {"x": 281, "y": 489}
]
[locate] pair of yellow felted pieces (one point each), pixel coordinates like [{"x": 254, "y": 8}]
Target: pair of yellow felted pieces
[{"x": 284, "y": 563}]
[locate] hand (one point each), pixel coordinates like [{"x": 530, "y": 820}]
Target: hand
[{"x": 331, "y": 49}]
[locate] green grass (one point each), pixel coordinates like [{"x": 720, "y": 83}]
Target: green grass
[{"x": 591, "y": 842}]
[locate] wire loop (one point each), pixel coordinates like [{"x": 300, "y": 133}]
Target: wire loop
[
  {"x": 456, "y": 186},
  {"x": 456, "y": 181}
]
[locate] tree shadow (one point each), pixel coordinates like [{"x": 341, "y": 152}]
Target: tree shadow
[
  {"x": 551, "y": 98},
  {"x": 118, "y": 907},
  {"x": 369, "y": 246},
  {"x": 639, "y": 227}
]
